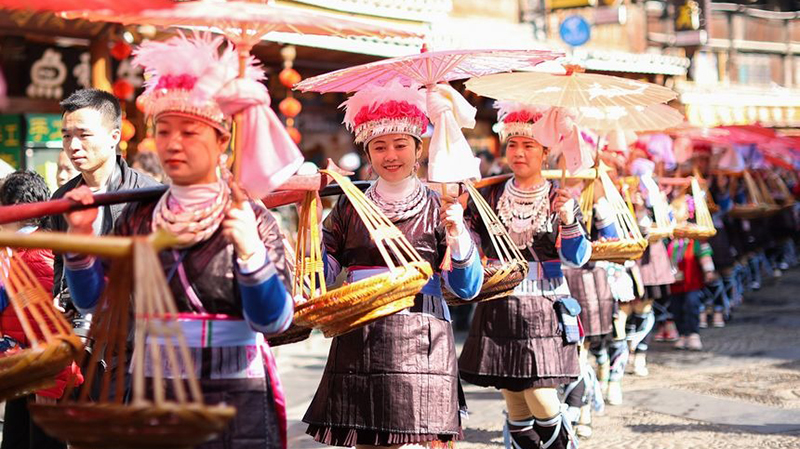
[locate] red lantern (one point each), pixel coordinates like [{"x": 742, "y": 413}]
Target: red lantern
[
  {"x": 290, "y": 107},
  {"x": 294, "y": 134},
  {"x": 123, "y": 89},
  {"x": 140, "y": 103},
  {"x": 289, "y": 77},
  {"x": 147, "y": 144},
  {"x": 121, "y": 50},
  {"x": 128, "y": 130}
]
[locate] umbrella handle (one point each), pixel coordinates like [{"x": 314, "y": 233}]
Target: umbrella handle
[{"x": 243, "y": 50}]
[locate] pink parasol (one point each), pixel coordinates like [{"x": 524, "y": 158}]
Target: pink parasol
[
  {"x": 128, "y": 6},
  {"x": 245, "y": 23},
  {"x": 450, "y": 157},
  {"x": 427, "y": 68}
]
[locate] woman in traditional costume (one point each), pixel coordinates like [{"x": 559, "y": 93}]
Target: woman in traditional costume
[
  {"x": 395, "y": 382},
  {"x": 598, "y": 287},
  {"x": 655, "y": 269},
  {"x": 517, "y": 344},
  {"x": 228, "y": 275}
]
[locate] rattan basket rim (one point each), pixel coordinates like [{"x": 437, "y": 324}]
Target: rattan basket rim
[
  {"x": 348, "y": 295},
  {"x": 497, "y": 285},
  {"x": 619, "y": 250},
  {"x": 111, "y": 425},
  {"x": 355, "y": 321}
]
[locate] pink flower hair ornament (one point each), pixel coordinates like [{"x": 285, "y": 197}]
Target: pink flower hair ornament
[{"x": 379, "y": 110}]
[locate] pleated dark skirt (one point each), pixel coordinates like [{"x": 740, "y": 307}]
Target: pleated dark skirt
[
  {"x": 655, "y": 267},
  {"x": 516, "y": 344},
  {"x": 391, "y": 382},
  {"x": 590, "y": 287}
]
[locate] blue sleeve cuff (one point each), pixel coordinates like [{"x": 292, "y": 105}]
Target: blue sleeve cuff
[
  {"x": 267, "y": 306},
  {"x": 465, "y": 278},
  {"x": 3, "y": 299},
  {"x": 725, "y": 204},
  {"x": 86, "y": 281},
  {"x": 331, "y": 267},
  {"x": 575, "y": 248}
]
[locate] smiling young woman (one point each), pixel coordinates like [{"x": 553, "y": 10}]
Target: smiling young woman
[
  {"x": 395, "y": 382},
  {"x": 516, "y": 345}
]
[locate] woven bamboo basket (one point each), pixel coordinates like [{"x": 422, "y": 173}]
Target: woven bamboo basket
[
  {"x": 757, "y": 205},
  {"x": 619, "y": 251},
  {"x": 166, "y": 409},
  {"x": 500, "y": 276},
  {"x": 362, "y": 297},
  {"x": 779, "y": 186},
  {"x": 294, "y": 334},
  {"x": 655, "y": 234},
  {"x": 693, "y": 231},
  {"x": 354, "y": 304},
  {"x": 499, "y": 281},
  {"x": 631, "y": 244},
  {"x": 703, "y": 226},
  {"x": 53, "y": 344},
  {"x": 748, "y": 211},
  {"x": 116, "y": 426}
]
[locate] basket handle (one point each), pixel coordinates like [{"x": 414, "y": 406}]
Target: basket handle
[
  {"x": 30, "y": 300},
  {"x": 702, "y": 215},
  {"x": 586, "y": 201},
  {"x": 752, "y": 190},
  {"x": 309, "y": 268},
  {"x": 622, "y": 213},
  {"x": 505, "y": 248},
  {"x": 384, "y": 233}
]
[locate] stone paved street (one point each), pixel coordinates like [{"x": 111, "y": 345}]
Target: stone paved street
[{"x": 743, "y": 391}]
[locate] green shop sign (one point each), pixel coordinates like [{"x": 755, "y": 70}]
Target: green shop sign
[
  {"x": 11, "y": 139},
  {"x": 43, "y": 130}
]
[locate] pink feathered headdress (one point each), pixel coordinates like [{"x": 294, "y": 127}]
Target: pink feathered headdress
[
  {"x": 194, "y": 77},
  {"x": 379, "y": 110},
  {"x": 552, "y": 127},
  {"x": 517, "y": 119},
  {"x": 185, "y": 75}
]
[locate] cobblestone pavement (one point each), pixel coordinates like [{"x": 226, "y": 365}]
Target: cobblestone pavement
[{"x": 742, "y": 391}]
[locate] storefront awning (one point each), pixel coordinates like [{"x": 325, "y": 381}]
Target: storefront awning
[
  {"x": 620, "y": 61},
  {"x": 740, "y": 105}
]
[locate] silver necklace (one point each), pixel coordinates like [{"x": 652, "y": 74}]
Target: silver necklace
[
  {"x": 524, "y": 212},
  {"x": 399, "y": 210}
]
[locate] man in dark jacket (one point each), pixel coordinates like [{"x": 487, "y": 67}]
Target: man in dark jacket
[{"x": 92, "y": 120}]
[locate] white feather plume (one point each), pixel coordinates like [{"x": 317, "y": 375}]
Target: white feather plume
[{"x": 199, "y": 56}]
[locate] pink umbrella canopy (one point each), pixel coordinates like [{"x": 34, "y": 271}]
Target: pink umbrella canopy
[
  {"x": 127, "y": 6},
  {"x": 246, "y": 22},
  {"x": 427, "y": 68},
  {"x": 745, "y": 135},
  {"x": 450, "y": 156}
]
